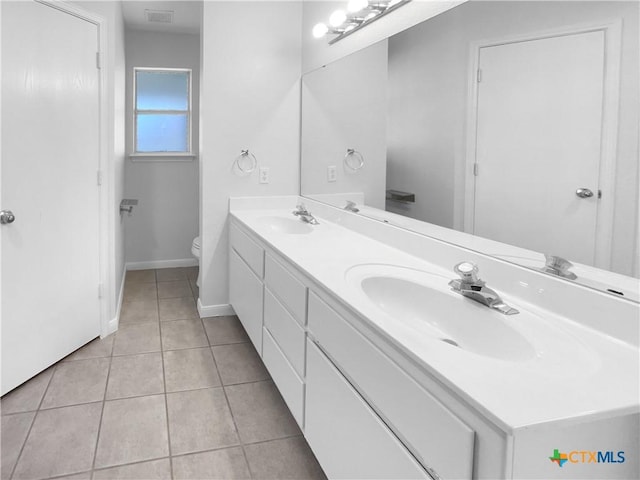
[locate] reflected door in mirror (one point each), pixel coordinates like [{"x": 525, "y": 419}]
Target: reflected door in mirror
[{"x": 539, "y": 123}]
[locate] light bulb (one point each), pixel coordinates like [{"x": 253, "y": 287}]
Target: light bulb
[
  {"x": 370, "y": 15},
  {"x": 320, "y": 30},
  {"x": 357, "y": 5},
  {"x": 337, "y": 18}
]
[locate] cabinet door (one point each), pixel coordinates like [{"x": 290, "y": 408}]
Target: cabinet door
[
  {"x": 245, "y": 295},
  {"x": 347, "y": 437}
]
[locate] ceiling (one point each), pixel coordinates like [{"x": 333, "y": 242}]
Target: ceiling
[{"x": 186, "y": 17}]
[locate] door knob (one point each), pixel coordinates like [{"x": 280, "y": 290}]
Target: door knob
[
  {"x": 584, "y": 193},
  {"x": 6, "y": 216}
]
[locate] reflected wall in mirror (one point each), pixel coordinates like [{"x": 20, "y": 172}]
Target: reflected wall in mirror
[{"x": 515, "y": 122}]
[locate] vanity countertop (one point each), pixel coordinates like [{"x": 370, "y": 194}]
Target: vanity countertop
[{"x": 576, "y": 372}]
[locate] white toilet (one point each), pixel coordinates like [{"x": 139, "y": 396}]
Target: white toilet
[{"x": 195, "y": 250}]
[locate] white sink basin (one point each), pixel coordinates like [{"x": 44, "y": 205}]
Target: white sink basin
[
  {"x": 284, "y": 225},
  {"x": 423, "y": 300}
]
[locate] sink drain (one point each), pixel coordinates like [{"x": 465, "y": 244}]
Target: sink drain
[{"x": 450, "y": 342}]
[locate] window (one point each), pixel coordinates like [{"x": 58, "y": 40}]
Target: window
[{"x": 162, "y": 111}]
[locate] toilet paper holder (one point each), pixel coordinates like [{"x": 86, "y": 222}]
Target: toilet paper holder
[{"x": 127, "y": 204}]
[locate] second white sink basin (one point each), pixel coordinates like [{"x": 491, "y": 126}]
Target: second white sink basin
[
  {"x": 285, "y": 225},
  {"x": 423, "y": 300}
]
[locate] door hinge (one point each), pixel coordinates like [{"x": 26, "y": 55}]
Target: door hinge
[
  {"x": 99, "y": 177},
  {"x": 475, "y": 169},
  {"x": 100, "y": 290},
  {"x": 479, "y": 75},
  {"x": 599, "y": 193},
  {"x": 98, "y": 60}
]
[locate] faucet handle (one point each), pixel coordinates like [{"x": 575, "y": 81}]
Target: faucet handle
[
  {"x": 558, "y": 266},
  {"x": 300, "y": 208},
  {"x": 468, "y": 272}
]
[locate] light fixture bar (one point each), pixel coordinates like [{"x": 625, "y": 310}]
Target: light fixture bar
[{"x": 382, "y": 7}]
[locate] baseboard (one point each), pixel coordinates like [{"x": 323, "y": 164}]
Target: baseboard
[
  {"x": 181, "y": 262},
  {"x": 215, "y": 310},
  {"x": 112, "y": 325}
]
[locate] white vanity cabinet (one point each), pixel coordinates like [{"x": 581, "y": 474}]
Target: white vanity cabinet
[
  {"x": 363, "y": 415},
  {"x": 346, "y": 436},
  {"x": 246, "y": 266}
]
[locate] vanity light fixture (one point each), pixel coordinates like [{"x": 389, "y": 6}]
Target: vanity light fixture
[{"x": 359, "y": 14}]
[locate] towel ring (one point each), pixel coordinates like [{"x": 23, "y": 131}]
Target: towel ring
[
  {"x": 353, "y": 160},
  {"x": 246, "y": 161}
]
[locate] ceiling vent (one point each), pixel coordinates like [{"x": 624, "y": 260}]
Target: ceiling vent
[{"x": 159, "y": 16}]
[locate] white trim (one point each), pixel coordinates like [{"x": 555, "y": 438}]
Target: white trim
[
  {"x": 180, "y": 262},
  {"x": 222, "y": 310},
  {"x": 105, "y": 164},
  {"x": 605, "y": 212},
  {"x": 113, "y": 324}
]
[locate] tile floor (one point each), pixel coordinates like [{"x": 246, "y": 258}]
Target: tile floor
[{"x": 169, "y": 395}]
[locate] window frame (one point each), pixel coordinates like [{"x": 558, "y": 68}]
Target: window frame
[{"x": 141, "y": 155}]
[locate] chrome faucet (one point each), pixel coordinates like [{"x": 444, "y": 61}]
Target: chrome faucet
[
  {"x": 558, "y": 266},
  {"x": 303, "y": 214},
  {"x": 469, "y": 285},
  {"x": 351, "y": 207}
]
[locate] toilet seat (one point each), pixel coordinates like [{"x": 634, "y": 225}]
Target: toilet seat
[{"x": 195, "y": 247}]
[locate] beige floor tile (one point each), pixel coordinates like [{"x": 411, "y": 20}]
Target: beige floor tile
[
  {"x": 135, "y": 375},
  {"x": 139, "y": 311},
  {"x": 132, "y": 430},
  {"x": 192, "y": 273},
  {"x": 171, "y": 274},
  {"x": 137, "y": 338},
  {"x": 190, "y": 369},
  {"x": 141, "y": 276},
  {"x": 183, "y": 334},
  {"x": 239, "y": 363},
  {"x": 200, "y": 420},
  {"x": 260, "y": 412},
  {"x": 227, "y": 464},
  {"x": 224, "y": 330},
  {"x": 178, "y": 308},
  {"x": 289, "y": 458},
  {"x": 153, "y": 470},
  {"x": 135, "y": 292},
  {"x": 174, "y": 289},
  {"x": 61, "y": 442},
  {"x": 194, "y": 290},
  {"x": 97, "y": 348},
  {"x": 14, "y": 429},
  {"x": 77, "y": 476},
  {"x": 27, "y": 397},
  {"x": 82, "y": 381}
]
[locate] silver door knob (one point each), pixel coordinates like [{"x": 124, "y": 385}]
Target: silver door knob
[
  {"x": 584, "y": 193},
  {"x": 6, "y": 216}
]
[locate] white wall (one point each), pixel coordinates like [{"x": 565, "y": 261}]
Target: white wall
[
  {"x": 428, "y": 91},
  {"x": 164, "y": 223},
  {"x": 251, "y": 57},
  {"x": 115, "y": 66},
  {"x": 345, "y": 106}
]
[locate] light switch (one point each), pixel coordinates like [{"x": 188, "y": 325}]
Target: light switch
[
  {"x": 332, "y": 173},
  {"x": 264, "y": 174}
]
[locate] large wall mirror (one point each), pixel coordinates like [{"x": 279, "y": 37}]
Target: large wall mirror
[{"x": 508, "y": 127}]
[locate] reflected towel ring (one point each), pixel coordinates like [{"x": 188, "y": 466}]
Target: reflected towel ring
[
  {"x": 246, "y": 161},
  {"x": 353, "y": 160}
]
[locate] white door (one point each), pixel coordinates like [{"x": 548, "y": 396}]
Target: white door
[
  {"x": 50, "y": 159},
  {"x": 539, "y": 123}
]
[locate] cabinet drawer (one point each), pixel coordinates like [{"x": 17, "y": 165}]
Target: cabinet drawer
[
  {"x": 245, "y": 295},
  {"x": 346, "y": 436},
  {"x": 287, "y": 333},
  {"x": 249, "y": 251},
  {"x": 438, "y": 438},
  {"x": 284, "y": 376},
  {"x": 289, "y": 290}
]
